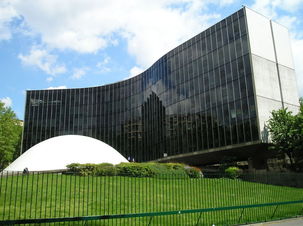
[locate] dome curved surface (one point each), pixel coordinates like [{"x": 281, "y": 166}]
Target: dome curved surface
[{"x": 57, "y": 152}]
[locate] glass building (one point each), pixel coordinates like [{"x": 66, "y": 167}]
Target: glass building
[{"x": 212, "y": 93}]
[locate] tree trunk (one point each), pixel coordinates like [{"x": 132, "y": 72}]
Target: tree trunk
[{"x": 290, "y": 159}]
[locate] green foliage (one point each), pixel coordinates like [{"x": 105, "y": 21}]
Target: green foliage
[
  {"x": 225, "y": 162},
  {"x": 10, "y": 136},
  {"x": 88, "y": 169},
  {"x": 193, "y": 172},
  {"x": 286, "y": 132},
  {"x": 174, "y": 166},
  {"x": 151, "y": 169},
  {"x": 171, "y": 170},
  {"x": 74, "y": 167},
  {"x": 134, "y": 170},
  {"x": 106, "y": 169},
  {"x": 83, "y": 169},
  {"x": 233, "y": 172}
]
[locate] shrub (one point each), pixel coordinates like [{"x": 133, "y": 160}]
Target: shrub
[
  {"x": 233, "y": 172},
  {"x": 174, "y": 166},
  {"x": 87, "y": 169},
  {"x": 73, "y": 168},
  {"x": 193, "y": 172},
  {"x": 82, "y": 169},
  {"x": 151, "y": 169},
  {"x": 106, "y": 169},
  {"x": 170, "y": 170},
  {"x": 166, "y": 170},
  {"x": 134, "y": 170}
]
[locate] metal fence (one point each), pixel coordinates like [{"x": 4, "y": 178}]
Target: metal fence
[
  {"x": 115, "y": 200},
  {"x": 281, "y": 179}
]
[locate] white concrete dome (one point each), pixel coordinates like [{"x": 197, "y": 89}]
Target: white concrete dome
[{"x": 57, "y": 152}]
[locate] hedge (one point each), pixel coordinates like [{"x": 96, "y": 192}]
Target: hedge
[
  {"x": 151, "y": 169},
  {"x": 233, "y": 172}
]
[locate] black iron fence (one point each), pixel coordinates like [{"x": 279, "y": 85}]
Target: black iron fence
[
  {"x": 281, "y": 179},
  {"x": 116, "y": 200}
]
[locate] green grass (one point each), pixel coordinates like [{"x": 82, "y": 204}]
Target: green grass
[{"x": 54, "y": 195}]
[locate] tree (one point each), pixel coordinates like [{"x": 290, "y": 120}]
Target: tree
[
  {"x": 286, "y": 132},
  {"x": 281, "y": 128},
  {"x": 10, "y": 135},
  {"x": 299, "y": 140},
  {"x": 301, "y": 105}
]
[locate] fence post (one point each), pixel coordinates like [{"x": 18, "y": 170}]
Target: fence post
[
  {"x": 241, "y": 215},
  {"x": 199, "y": 219},
  {"x": 150, "y": 220},
  {"x": 274, "y": 212}
]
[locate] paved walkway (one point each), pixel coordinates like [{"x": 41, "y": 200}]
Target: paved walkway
[{"x": 287, "y": 222}]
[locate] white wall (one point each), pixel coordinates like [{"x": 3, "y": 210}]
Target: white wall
[
  {"x": 293, "y": 108},
  {"x": 266, "y": 78},
  {"x": 282, "y": 45},
  {"x": 265, "y": 106},
  {"x": 262, "y": 35},
  {"x": 289, "y": 85}
]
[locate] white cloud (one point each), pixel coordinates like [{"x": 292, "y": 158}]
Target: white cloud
[
  {"x": 287, "y": 21},
  {"x": 43, "y": 60},
  {"x": 159, "y": 30},
  {"x": 288, "y": 5},
  {"x": 79, "y": 73},
  {"x": 49, "y": 79},
  {"x": 7, "y": 101},
  {"x": 135, "y": 71},
  {"x": 7, "y": 13},
  {"x": 270, "y": 7},
  {"x": 151, "y": 28},
  {"x": 102, "y": 65},
  {"x": 57, "y": 87},
  {"x": 226, "y": 2}
]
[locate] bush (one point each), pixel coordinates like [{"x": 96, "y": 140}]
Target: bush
[
  {"x": 233, "y": 172},
  {"x": 73, "y": 167},
  {"x": 193, "y": 172},
  {"x": 174, "y": 166},
  {"x": 82, "y": 169},
  {"x": 134, "y": 170},
  {"x": 88, "y": 169},
  {"x": 106, "y": 169},
  {"x": 151, "y": 169},
  {"x": 167, "y": 170}
]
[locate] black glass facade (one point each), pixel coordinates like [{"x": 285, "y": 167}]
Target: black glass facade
[{"x": 196, "y": 97}]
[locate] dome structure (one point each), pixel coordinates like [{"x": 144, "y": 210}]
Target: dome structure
[{"x": 57, "y": 152}]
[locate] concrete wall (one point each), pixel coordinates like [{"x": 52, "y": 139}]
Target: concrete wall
[
  {"x": 286, "y": 66},
  {"x": 273, "y": 68},
  {"x": 260, "y": 37}
]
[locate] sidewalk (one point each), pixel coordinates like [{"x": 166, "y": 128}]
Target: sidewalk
[{"x": 286, "y": 222}]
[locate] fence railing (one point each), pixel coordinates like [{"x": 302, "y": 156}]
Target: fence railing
[{"x": 120, "y": 200}]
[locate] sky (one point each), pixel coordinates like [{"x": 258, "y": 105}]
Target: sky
[{"x": 49, "y": 44}]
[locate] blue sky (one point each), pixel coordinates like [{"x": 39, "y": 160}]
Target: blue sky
[{"x": 81, "y": 43}]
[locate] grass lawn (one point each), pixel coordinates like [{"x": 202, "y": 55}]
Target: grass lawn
[{"x": 55, "y": 195}]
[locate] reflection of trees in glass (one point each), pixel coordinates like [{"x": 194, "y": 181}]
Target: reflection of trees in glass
[
  {"x": 153, "y": 121},
  {"x": 132, "y": 131}
]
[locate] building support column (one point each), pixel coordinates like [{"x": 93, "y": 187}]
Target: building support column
[{"x": 257, "y": 163}]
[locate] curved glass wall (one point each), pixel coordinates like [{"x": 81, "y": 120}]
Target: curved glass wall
[{"x": 196, "y": 97}]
